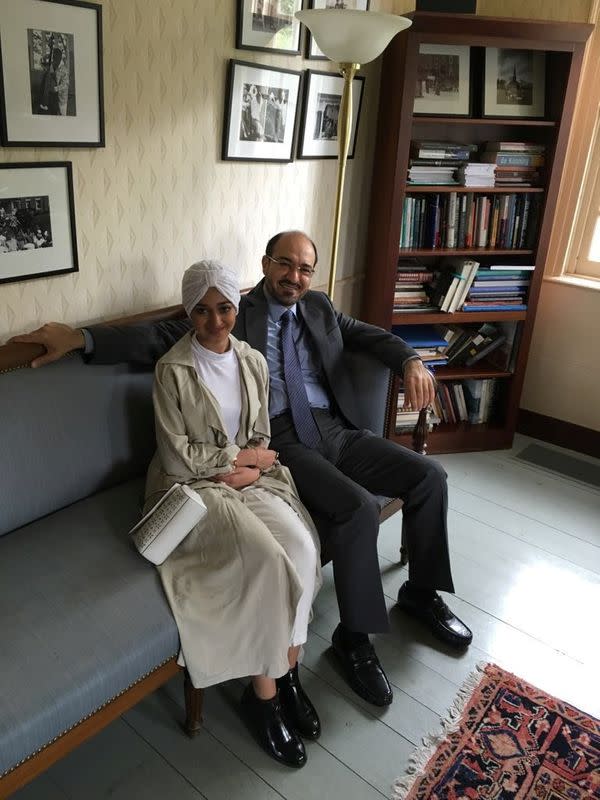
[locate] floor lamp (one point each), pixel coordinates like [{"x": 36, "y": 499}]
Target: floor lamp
[{"x": 350, "y": 38}]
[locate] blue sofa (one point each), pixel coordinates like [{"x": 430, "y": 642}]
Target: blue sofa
[{"x": 86, "y": 629}]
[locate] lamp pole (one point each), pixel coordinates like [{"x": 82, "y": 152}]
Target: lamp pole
[{"x": 344, "y": 129}]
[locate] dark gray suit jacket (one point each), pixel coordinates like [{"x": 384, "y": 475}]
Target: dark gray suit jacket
[{"x": 333, "y": 334}]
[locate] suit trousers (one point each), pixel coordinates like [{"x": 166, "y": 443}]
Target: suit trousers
[{"x": 338, "y": 482}]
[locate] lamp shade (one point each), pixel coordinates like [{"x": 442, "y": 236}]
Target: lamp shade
[{"x": 351, "y": 37}]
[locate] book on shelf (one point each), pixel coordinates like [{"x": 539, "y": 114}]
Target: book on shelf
[
  {"x": 420, "y": 335},
  {"x": 526, "y": 147},
  {"x": 516, "y": 268},
  {"x": 442, "y": 151},
  {"x": 475, "y": 306},
  {"x": 466, "y": 270},
  {"x": 507, "y": 159},
  {"x": 478, "y": 397},
  {"x": 434, "y": 162},
  {"x": 479, "y": 351}
]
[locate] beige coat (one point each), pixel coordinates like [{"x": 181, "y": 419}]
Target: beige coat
[{"x": 231, "y": 587}]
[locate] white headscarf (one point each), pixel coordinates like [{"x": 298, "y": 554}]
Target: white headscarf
[{"x": 199, "y": 278}]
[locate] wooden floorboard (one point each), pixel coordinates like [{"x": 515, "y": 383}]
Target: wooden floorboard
[{"x": 525, "y": 545}]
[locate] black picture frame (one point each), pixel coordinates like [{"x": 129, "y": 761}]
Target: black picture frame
[
  {"x": 267, "y": 34},
  {"x": 52, "y": 51},
  {"x": 526, "y": 69},
  {"x": 261, "y": 112},
  {"x": 313, "y": 52},
  {"x": 317, "y": 137},
  {"x": 444, "y": 81},
  {"x": 38, "y": 237}
]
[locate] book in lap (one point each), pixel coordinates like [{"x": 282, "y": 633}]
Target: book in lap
[{"x": 168, "y": 522}]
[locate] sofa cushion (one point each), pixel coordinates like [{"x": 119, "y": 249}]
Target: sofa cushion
[
  {"x": 84, "y": 614},
  {"x": 69, "y": 430}
]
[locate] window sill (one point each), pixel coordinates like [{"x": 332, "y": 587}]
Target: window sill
[{"x": 575, "y": 280}]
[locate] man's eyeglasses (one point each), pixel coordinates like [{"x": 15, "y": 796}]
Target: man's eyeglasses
[{"x": 303, "y": 269}]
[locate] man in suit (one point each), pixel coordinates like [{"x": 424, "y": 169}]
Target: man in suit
[{"x": 338, "y": 468}]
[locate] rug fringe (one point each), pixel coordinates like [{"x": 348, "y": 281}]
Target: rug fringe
[{"x": 418, "y": 760}]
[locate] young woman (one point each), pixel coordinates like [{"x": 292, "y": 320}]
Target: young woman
[{"x": 241, "y": 584}]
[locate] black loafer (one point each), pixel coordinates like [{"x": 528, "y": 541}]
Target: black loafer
[
  {"x": 363, "y": 671},
  {"x": 298, "y": 711},
  {"x": 437, "y": 616},
  {"x": 266, "y": 723}
]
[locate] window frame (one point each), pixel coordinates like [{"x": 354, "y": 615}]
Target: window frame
[{"x": 578, "y": 206}]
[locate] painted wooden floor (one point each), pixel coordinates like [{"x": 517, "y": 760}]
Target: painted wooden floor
[{"x": 525, "y": 545}]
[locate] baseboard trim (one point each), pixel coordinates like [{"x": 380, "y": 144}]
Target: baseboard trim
[{"x": 559, "y": 432}]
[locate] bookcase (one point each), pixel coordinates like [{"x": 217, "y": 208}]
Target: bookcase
[{"x": 563, "y": 46}]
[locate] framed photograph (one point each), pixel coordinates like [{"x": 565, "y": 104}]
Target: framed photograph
[
  {"x": 313, "y": 51},
  {"x": 443, "y": 80},
  {"x": 268, "y": 25},
  {"x": 320, "y": 110},
  {"x": 515, "y": 83},
  {"x": 261, "y": 106},
  {"x": 51, "y": 74},
  {"x": 37, "y": 221}
]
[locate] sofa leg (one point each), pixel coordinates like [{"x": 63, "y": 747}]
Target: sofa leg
[
  {"x": 403, "y": 549},
  {"x": 193, "y": 707}
]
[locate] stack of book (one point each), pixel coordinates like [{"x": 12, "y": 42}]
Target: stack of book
[
  {"x": 428, "y": 342},
  {"x": 410, "y": 293},
  {"x": 427, "y": 174},
  {"x": 498, "y": 290},
  {"x": 474, "y": 344},
  {"x": 477, "y": 174},
  {"x": 406, "y": 420},
  {"x": 451, "y": 285},
  {"x": 434, "y": 162},
  {"x": 517, "y": 163},
  {"x": 465, "y": 401}
]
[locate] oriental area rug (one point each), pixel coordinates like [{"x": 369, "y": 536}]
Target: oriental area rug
[{"x": 506, "y": 740}]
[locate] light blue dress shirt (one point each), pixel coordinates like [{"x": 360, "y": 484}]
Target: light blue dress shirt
[{"x": 311, "y": 371}]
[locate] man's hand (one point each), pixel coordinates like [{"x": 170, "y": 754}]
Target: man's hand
[
  {"x": 57, "y": 338},
  {"x": 419, "y": 386},
  {"x": 239, "y": 477}
]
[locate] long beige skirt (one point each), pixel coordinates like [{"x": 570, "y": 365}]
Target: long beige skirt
[{"x": 233, "y": 592}]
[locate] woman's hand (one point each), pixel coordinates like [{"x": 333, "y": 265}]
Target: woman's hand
[
  {"x": 239, "y": 477},
  {"x": 256, "y": 457}
]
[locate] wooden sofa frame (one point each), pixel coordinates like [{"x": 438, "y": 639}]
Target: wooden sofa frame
[{"x": 19, "y": 356}]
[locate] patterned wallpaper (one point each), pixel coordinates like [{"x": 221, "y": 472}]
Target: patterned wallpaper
[{"x": 158, "y": 196}]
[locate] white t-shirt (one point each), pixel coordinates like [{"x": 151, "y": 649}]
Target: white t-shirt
[{"x": 221, "y": 373}]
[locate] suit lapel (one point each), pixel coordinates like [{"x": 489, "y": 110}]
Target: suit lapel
[
  {"x": 315, "y": 324},
  {"x": 255, "y": 319}
]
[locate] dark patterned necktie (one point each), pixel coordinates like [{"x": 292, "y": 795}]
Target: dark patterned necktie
[{"x": 304, "y": 422}]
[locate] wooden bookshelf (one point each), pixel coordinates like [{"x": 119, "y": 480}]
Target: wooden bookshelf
[{"x": 563, "y": 44}]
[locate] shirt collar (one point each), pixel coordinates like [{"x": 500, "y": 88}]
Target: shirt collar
[{"x": 276, "y": 310}]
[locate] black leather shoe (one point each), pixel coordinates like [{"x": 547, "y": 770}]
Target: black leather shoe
[
  {"x": 298, "y": 711},
  {"x": 363, "y": 670},
  {"x": 437, "y": 616},
  {"x": 267, "y": 725}
]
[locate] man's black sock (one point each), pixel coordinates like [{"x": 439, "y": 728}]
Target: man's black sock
[
  {"x": 352, "y": 638},
  {"x": 420, "y": 594}
]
